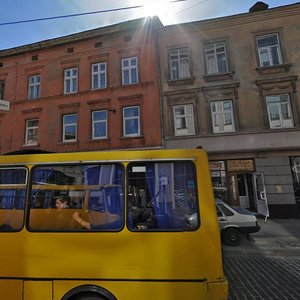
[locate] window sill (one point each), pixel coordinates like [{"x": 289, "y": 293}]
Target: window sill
[
  {"x": 100, "y": 140},
  {"x": 132, "y": 137},
  {"x": 281, "y": 128},
  {"x": 218, "y": 76},
  {"x": 30, "y": 145},
  {"x": 274, "y": 69},
  {"x": 182, "y": 81},
  {"x": 68, "y": 143}
]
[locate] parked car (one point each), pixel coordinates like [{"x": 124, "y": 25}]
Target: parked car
[{"x": 235, "y": 221}]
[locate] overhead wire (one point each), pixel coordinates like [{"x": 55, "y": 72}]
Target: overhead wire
[{"x": 79, "y": 14}]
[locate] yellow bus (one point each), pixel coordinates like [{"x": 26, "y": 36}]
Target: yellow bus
[{"x": 109, "y": 225}]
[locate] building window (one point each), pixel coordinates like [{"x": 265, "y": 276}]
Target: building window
[
  {"x": 34, "y": 87},
  {"x": 269, "y": 50},
  {"x": 222, "y": 116},
  {"x": 99, "y": 76},
  {"x": 1, "y": 89},
  {"x": 216, "y": 59},
  {"x": 71, "y": 78},
  {"x": 70, "y": 128},
  {"x": 99, "y": 120},
  {"x": 183, "y": 119},
  {"x": 179, "y": 64},
  {"x": 129, "y": 70},
  {"x": 279, "y": 111},
  {"x": 131, "y": 121},
  {"x": 32, "y": 130}
]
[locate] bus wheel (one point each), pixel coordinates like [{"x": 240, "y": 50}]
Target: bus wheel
[
  {"x": 231, "y": 237},
  {"x": 88, "y": 292},
  {"x": 88, "y": 296}
]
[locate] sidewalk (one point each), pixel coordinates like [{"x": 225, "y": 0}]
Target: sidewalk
[{"x": 277, "y": 237}]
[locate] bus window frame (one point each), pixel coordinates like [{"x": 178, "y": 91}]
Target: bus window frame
[
  {"x": 10, "y": 186},
  {"x": 169, "y": 230},
  {"x": 85, "y": 203}
]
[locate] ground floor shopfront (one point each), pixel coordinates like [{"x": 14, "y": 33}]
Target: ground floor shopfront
[
  {"x": 256, "y": 170},
  {"x": 267, "y": 183}
]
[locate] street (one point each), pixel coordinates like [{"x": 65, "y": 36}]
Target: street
[
  {"x": 260, "y": 277},
  {"x": 268, "y": 265}
]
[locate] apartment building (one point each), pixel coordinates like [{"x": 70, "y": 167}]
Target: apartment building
[
  {"x": 231, "y": 86},
  {"x": 94, "y": 90}
]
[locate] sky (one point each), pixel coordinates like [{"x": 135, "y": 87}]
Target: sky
[{"x": 14, "y": 32}]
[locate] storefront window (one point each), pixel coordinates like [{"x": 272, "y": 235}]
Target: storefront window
[{"x": 218, "y": 176}]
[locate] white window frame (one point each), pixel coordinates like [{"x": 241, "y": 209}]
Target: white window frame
[
  {"x": 130, "y": 67},
  {"x": 100, "y": 73},
  {"x": 65, "y": 125},
  {"x": 32, "y": 130},
  {"x": 213, "y": 55},
  {"x": 277, "y": 103},
  {"x": 97, "y": 122},
  {"x": 267, "y": 51},
  {"x": 34, "y": 86},
  {"x": 186, "y": 118},
  {"x": 179, "y": 63},
  {"x": 130, "y": 119},
  {"x": 71, "y": 80},
  {"x": 220, "y": 115}
]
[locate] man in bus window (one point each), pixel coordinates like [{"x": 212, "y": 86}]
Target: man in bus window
[{"x": 62, "y": 202}]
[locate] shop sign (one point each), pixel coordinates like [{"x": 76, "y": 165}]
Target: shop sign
[
  {"x": 240, "y": 165},
  {"x": 216, "y": 165}
]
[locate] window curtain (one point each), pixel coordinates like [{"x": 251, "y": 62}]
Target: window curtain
[
  {"x": 12, "y": 198},
  {"x": 109, "y": 196},
  {"x": 41, "y": 175},
  {"x": 159, "y": 182}
]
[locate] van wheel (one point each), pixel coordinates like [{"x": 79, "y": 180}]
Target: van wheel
[{"x": 231, "y": 237}]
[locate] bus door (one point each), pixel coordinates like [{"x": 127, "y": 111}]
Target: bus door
[{"x": 260, "y": 195}]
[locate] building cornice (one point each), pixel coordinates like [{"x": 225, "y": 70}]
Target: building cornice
[
  {"x": 136, "y": 24},
  {"x": 239, "y": 19}
]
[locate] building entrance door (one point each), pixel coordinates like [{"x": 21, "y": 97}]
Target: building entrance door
[
  {"x": 245, "y": 187},
  {"x": 260, "y": 195}
]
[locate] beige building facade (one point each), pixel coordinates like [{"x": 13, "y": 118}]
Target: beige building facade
[{"x": 231, "y": 85}]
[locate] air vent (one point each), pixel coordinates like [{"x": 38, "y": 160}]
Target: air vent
[{"x": 70, "y": 50}]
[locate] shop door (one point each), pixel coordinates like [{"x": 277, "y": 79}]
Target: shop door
[
  {"x": 260, "y": 195},
  {"x": 243, "y": 190}
]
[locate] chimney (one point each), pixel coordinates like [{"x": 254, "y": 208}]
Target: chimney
[{"x": 258, "y": 6}]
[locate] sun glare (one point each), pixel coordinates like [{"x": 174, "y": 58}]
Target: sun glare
[{"x": 155, "y": 7}]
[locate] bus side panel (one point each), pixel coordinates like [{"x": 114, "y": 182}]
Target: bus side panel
[
  {"x": 146, "y": 290},
  {"x": 37, "y": 290},
  {"x": 11, "y": 289}
]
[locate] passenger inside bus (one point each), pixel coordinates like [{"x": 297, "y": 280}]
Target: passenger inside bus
[
  {"x": 62, "y": 202},
  {"x": 76, "y": 216}
]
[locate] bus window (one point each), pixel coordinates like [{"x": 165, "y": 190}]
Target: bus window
[
  {"x": 93, "y": 193},
  {"x": 12, "y": 198},
  {"x": 161, "y": 195}
]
